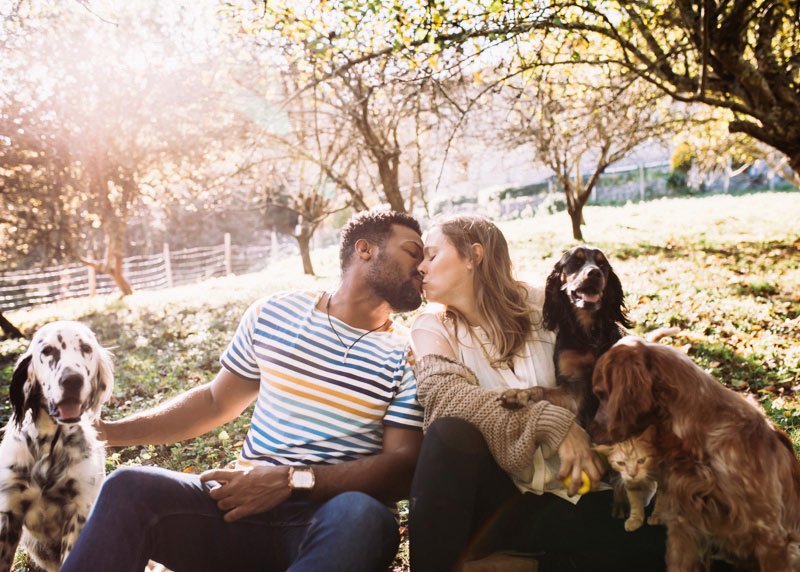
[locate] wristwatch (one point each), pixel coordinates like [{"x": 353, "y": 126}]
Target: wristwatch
[{"x": 301, "y": 481}]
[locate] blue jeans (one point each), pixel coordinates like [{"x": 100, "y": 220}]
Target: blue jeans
[{"x": 148, "y": 513}]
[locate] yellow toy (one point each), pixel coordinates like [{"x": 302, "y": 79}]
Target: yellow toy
[{"x": 586, "y": 483}]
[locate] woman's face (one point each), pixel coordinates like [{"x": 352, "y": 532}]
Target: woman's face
[{"x": 446, "y": 276}]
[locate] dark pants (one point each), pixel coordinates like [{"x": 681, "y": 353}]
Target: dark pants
[
  {"x": 464, "y": 506},
  {"x": 147, "y": 513}
]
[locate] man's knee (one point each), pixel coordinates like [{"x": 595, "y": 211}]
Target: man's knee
[
  {"x": 360, "y": 512},
  {"x": 134, "y": 488}
]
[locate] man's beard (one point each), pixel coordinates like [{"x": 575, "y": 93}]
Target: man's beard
[{"x": 387, "y": 282}]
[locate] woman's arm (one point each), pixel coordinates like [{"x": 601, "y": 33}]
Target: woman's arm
[{"x": 446, "y": 388}]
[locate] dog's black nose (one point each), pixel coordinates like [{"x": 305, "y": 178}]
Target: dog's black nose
[
  {"x": 71, "y": 382},
  {"x": 595, "y": 272}
]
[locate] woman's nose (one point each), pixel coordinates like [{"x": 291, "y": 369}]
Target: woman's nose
[{"x": 422, "y": 268}]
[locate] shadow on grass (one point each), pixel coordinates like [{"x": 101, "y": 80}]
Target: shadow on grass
[
  {"x": 747, "y": 253},
  {"x": 735, "y": 371}
]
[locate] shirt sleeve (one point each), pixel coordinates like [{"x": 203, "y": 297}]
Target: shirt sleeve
[
  {"x": 239, "y": 357},
  {"x": 404, "y": 410},
  {"x": 431, "y": 322}
]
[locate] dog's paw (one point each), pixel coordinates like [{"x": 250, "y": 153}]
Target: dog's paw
[
  {"x": 656, "y": 519},
  {"x": 519, "y": 398}
]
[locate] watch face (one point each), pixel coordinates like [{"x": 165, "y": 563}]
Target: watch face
[{"x": 302, "y": 479}]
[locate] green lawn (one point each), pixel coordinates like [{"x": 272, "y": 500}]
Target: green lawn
[{"x": 725, "y": 269}]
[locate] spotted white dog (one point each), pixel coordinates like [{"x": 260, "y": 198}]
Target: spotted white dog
[{"x": 51, "y": 462}]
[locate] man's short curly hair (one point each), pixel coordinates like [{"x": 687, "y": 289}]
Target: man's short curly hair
[{"x": 374, "y": 226}]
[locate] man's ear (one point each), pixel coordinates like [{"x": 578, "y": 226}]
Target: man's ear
[
  {"x": 363, "y": 249},
  {"x": 477, "y": 254}
]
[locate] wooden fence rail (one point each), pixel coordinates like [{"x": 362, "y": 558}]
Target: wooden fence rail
[{"x": 27, "y": 288}]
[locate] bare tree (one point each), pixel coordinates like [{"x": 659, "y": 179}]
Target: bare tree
[
  {"x": 579, "y": 122},
  {"x": 118, "y": 126}
]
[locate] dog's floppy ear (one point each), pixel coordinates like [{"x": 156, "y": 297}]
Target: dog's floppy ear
[
  {"x": 104, "y": 384},
  {"x": 614, "y": 301},
  {"x": 555, "y": 310},
  {"x": 16, "y": 391},
  {"x": 623, "y": 383}
]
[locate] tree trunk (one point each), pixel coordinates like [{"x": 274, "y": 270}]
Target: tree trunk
[
  {"x": 9, "y": 329},
  {"x": 794, "y": 163},
  {"x": 576, "y": 215},
  {"x": 387, "y": 168},
  {"x": 303, "y": 241},
  {"x": 119, "y": 276}
]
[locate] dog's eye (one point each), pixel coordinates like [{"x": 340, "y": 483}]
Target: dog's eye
[
  {"x": 48, "y": 350},
  {"x": 86, "y": 348}
]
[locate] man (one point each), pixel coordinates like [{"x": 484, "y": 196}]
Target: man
[{"x": 333, "y": 439}]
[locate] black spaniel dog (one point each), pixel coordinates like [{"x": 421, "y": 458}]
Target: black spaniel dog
[{"x": 584, "y": 304}]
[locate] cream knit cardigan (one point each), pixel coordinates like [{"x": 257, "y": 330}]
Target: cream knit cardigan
[{"x": 446, "y": 388}]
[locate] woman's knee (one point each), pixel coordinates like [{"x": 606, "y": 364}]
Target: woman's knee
[{"x": 453, "y": 435}]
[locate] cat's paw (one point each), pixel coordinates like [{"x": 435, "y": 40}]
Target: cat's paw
[
  {"x": 519, "y": 398},
  {"x": 634, "y": 523}
]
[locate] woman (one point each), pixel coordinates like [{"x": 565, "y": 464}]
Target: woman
[{"x": 489, "y": 479}]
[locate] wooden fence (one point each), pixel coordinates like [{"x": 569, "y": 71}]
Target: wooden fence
[{"x": 27, "y": 288}]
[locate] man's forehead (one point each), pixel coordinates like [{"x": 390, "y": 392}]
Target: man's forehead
[{"x": 403, "y": 234}]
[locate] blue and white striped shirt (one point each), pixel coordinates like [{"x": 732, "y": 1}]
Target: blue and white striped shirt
[{"x": 314, "y": 407}]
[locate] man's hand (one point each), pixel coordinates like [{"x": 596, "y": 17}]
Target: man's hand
[
  {"x": 576, "y": 454},
  {"x": 248, "y": 491},
  {"x": 100, "y": 426}
]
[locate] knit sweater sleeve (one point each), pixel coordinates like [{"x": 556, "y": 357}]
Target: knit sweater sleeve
[{"x": 446, "y": 388}]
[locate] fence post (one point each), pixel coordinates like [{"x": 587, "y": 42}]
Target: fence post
[
  {"x": 168, "y": 266},
  {"x": 641, "y": 182},
  {"x": 273, "y": 246},
  {"x": 92, "y": 280},
  {"x": 228, "y": 262}
]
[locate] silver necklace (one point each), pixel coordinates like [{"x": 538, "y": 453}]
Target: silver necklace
[{"x": 341, "y": 341}]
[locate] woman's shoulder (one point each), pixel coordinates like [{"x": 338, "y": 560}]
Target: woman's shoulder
[
  {"x": 431, "y": 319},
  {"x": 535, "y": 294}
]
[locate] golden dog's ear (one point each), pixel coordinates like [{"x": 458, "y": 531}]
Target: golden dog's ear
[
  {"x": 103, "y": 385},
  {"x": 623, "y": 383}
]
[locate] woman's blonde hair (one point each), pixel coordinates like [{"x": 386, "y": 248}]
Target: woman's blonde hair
[{"x": 501, "y": 300}]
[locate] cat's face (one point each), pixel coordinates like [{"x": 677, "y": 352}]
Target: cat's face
[
  {"x": 632, "y": 463},
  {"x": 633, "y": 459}
]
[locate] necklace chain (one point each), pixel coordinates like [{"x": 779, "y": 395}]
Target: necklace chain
[{"x": 341, "y": 341}]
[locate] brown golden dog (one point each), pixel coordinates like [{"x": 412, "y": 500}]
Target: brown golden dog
[{"x": 730, "y": 481}]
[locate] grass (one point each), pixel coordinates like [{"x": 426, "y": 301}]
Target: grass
[{"x": 725, "y": 269}]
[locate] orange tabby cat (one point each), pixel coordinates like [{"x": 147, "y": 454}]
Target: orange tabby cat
[{"x": 635, "y": 462}]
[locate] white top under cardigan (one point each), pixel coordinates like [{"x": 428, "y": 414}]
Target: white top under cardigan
[{"x": 533, "y": 366}]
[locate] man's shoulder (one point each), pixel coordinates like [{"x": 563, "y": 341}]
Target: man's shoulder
[{"x": 298, "y": 298}]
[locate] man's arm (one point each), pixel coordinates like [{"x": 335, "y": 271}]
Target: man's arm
[
  {"x": 185, "y": 416},
  {"x": 385, "y": 476}
]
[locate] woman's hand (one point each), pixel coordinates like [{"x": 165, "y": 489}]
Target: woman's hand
[{"x": 576, "y": 455}]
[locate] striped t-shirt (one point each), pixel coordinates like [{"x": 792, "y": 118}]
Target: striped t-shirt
[{"x": 313, "y": 406}]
